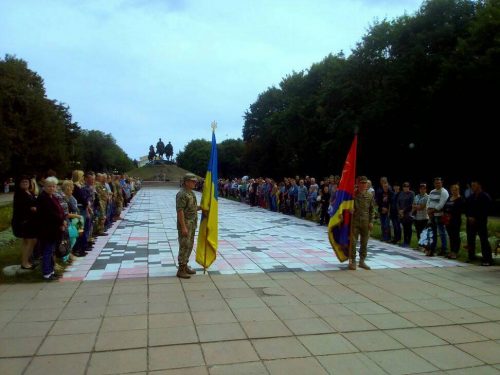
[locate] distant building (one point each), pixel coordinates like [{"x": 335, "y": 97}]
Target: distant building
[{"x": 143, "y": 160}]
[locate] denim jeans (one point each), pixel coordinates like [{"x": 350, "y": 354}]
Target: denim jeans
[
  {"x": 439, "y": 228},
  {"x": 396, "y": 225},
  {"x": 274, "y": 204},
  {"x": 48, "y": 247},
  {"x": 385, "y": 226}
]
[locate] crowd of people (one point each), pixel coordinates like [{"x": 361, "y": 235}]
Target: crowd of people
[
  {"x": 60, "y": 219},
  {"x": 437, "y": 213}
]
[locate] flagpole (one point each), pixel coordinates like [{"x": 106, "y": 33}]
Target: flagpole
[
  {"x": 351, "y": 240},
  {"x": 214, "y": 126},
  {"x": 351, "y": 224}
]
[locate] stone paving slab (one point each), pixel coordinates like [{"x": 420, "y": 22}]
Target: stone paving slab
[
  {"x": 334, "y": 338},
  {"x": 439, "y": 318}
]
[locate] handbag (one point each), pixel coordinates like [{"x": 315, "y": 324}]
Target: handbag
[
  {"x": 62, "y": 248},
  {"x": 445, "y": 219},
  {"x": 426, "y": 238}
]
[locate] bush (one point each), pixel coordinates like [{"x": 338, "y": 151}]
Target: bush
[{"x": 5, "y": 216}]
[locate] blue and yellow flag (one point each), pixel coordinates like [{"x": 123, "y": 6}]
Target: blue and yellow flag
[
  {"x": 206, "y": 249},
  {"x": 339, "y": 226}
]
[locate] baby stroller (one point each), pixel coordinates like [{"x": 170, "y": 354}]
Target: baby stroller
[{"x": 426, "y": 239}]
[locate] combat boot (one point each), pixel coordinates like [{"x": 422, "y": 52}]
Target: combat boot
[
  {"x": 182, "y": 272},
  {"x": 352, "y": 264},
  {"x": 362, "y": 264},
  {"x": 189, "y": 270}
]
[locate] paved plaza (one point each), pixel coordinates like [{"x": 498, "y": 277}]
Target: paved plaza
[
  {"x": 276, "y": 301},
  {"x": 251, "y": 240}
]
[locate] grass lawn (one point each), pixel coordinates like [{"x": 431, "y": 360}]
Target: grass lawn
[
  {"x": 10, "y": 254},
  {"x": 5, "y": 216}
]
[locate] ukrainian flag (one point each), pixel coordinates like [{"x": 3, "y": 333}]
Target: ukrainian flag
[
  {"x": 339, "y": 226},
  {"x": 206, "y": 249}
]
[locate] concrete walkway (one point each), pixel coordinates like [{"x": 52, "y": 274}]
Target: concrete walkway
[
  {"x": 6, "y": 198},
  {"x": 398, "y": 319}
]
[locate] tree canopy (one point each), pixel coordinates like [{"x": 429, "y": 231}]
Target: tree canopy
[
  {"x": 230, "y": 154},
  {"x": 195, "y": 156},
  {"x": 408, "y": 86},
  {"x": 38, "y": 133},
  {"x": 99, "y": 151}
]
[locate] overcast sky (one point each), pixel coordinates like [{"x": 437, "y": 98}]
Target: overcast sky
[{"x": 144, "y": 69}]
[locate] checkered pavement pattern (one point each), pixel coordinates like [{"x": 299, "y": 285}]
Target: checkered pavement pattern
[{"x": 251, "y": 240}]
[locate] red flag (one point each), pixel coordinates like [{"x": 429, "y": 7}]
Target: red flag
[{"x": 339, "y": 227}]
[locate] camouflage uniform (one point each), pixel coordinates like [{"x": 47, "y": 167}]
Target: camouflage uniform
[
  {"x": 186, "y": 201},
  {"x": 364, "y": 208},
  {"x": 102, "y": 193},
  {"x": 117, "y": 198},
  {"x": 89, "y": 194}
]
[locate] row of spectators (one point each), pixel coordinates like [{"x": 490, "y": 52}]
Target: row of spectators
[
  {"x": 399, "y": 208},
  {"x": 61, "y": 219},
  {"x": 292, "y": 196}
]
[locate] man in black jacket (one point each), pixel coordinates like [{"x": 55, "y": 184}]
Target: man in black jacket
[{"x": 477, "y": 208}]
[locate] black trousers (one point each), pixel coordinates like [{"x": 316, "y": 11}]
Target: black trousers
[{"x": 478, "y": 228}]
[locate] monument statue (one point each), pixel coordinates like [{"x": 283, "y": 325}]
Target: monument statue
[
  {"x": 152, "y": 154},
  {"x": 160, "y": 148},
  {"x": 169, "y": 151}
]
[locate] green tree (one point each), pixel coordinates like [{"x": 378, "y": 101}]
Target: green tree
[
  {"x": 413, "y": 80},
  {"x": 285, "y": 129},
  {"x": 230, "y": 154},
  {"x": 195, "y": 156},
  {"x": 35, "y": 132},
  {"x": 100, "y": 153},
  {"x": 260, "y": 134}
]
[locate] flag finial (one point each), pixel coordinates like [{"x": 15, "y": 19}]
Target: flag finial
[{"x": 214, "y": 125}]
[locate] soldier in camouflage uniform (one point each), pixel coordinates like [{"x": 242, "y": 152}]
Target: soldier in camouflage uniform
[
  {"x": 117, "y": 196},
  {"x": 187, "y": 219},
  {"x": 88, "y": 190},
  {"x": 102, "y": 195},
  {"x": 364, "y": 208}
]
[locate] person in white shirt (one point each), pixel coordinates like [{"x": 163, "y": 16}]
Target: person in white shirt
[
  {"x": 435, "y": 203},
  {"x": 420, "y": 209},
  {"x": 370, "y": 188}
]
